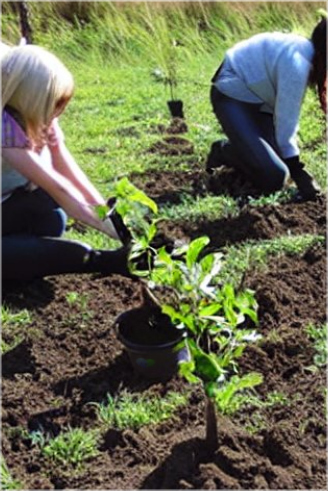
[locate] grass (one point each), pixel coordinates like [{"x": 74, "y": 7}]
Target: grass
[
  {"x": 72, "y": 447},
  {"x": 253, "y": 255},
  {"x": 13, "y": 323},
  {"x": 258, "y": 419},
  {"x": 209, "y": 207},
  {"x": 80, "y": 313},
  {"x": 318, "y": 335},
  {"x": 7, "y": 480},
  {"x": 134, "y": 411}
]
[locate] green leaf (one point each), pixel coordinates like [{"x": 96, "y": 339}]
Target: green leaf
[
  {"x": 250, "y": 380},
  {"x": 186, "y": 369},
  {"x": 101, "y": 211},
  {"x": 186, "y": 320},
  {"x": 207, "y": 367},
  {"x": 211, "y": 389},
  {"x": 194, "y": 249},
  {"x": 210, "y": 310},
  {"x": 206, "y": 262},
  {"x": 164, "y": 256},
  {"x": 125, "y": 189},
  {"x": 152, "y": 231},
  {"x": 226, "y": 396}
]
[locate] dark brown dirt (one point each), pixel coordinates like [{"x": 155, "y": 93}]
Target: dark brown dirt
[
  {"x": 70, "y": 357},
  {"x": 172, "y": 145}
]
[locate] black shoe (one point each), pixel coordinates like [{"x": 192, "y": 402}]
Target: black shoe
[{"x": 308, "y": 188}]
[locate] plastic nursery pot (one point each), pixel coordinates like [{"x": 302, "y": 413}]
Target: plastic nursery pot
[
  {"x": 176, "y": 108},
  {"x": 154, "y": 345}
]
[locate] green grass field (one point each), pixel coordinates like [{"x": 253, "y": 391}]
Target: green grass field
[{"x": 112, "y": 53}]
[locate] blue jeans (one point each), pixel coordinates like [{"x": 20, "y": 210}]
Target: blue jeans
[
  {"x": 32, "y": 223},
  {"x": 251, "y": 147}
]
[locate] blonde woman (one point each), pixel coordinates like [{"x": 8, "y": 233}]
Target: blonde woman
[{"x": 41, "y": 182}]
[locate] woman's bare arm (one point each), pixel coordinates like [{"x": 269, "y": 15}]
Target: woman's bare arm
[{"x": 77, "y": 204}]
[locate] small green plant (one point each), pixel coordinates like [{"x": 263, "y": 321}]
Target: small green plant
[
  {"x": 133, "y": 411},
  {"x": 258, "y": 419},
  {"x": 11, "y": 323},
  {"x": 138, "y": 213},
  {"x": 275, "y": 199},
  {"x": 7, "y": 481},
  {"x": 215, "y": 317},
  {"x": 318, "y": 334},
  {"x": 80, "y": 301},
  {"x": 161, "y": 47},
  {"x": 38, "y": 438},
  {"x": 72, "y": 447}
]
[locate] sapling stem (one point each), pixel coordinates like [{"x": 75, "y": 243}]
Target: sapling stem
[
  {"x": 171, "y": 90},
  {"x": 150, "y": 295},
  {"x": 211, "y": 425}
]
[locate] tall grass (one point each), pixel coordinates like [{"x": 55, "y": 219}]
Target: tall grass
[{"x": 109, "y": 29}]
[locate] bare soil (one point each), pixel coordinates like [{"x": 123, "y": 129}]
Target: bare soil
[{"x": 70, "y": 357}]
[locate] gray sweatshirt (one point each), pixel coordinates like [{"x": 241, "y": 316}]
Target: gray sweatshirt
[{"x": 271, "y": 69}]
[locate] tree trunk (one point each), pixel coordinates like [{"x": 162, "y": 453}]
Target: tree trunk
[{"x": 211, "y": 425}]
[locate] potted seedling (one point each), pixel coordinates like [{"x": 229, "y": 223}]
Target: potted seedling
[
  {"x": 164, "y": 51},
  {"x": 154, "y": 345},
  {"x": 167, "y": 75}
]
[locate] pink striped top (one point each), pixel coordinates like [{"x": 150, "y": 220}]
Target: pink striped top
[{"x": 13, "y": 136}]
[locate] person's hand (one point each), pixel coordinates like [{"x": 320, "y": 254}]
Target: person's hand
[
  {"x": 307, "y": 186},
  {"x": 115, "y": 226},
  {"x": 309, "y": 189},
  {"x": 121, "y": 230},
  {"x": 215, "y": 158},
  {"x": 119, "y": 261}
]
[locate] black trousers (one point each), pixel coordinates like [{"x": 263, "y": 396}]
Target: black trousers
[
  {"x": 251, "y": 145},
  {"x": 32, "y": 223}
]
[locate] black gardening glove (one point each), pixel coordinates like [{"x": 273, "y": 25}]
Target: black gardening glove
[
  {"x": 214, "y": 157},
  {"x": 120, "y": 228},
  {"x": 306, "y": 184},
  {"x": 111, "y": 262}
]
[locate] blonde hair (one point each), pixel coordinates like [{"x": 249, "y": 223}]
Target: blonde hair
[{"x": 36, "y": 84}]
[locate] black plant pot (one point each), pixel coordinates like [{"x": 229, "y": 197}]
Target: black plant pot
[
  {"x": 154, "y": 345},
  {"x": 176, "y": 108}
]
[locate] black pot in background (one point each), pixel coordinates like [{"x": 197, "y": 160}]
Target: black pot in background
[
  {"x": 176, "y": 108},
  {"x": 155, "y": 346}
]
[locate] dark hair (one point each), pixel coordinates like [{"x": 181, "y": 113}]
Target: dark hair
[
  {"x": 319, "y": 37},
  {"x": 319, "y": 72}
]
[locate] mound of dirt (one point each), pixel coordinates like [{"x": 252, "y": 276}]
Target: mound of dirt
[
  {"x": 177, "y": 126},
  {"x": 172, "y": 145}
]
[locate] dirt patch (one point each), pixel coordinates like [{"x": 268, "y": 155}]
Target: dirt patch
[
  {"x": 172, "y": 145},
  {"x": 177, "y": 126},
  {"x": 258, "y": 223},
  {"x": 169, "y": 187},
  {"x": 70, "y": 357}
]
